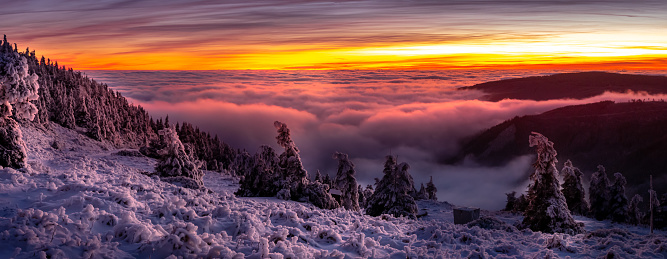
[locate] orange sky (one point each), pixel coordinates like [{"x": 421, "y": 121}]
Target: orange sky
[{"x": 448, "y": 34}]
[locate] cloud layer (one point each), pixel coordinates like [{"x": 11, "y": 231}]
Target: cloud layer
[{"x": 417, "y": 115}]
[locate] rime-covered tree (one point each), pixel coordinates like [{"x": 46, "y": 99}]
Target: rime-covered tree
[
  {"x": 346, "y": 182},
  {"x": 367, "y": 193},
  {"x": 431, "y": 191},
  {"x": 318, "y": 194},
  {"x": 618, "y": 204},
  {"x": 362, "y": 197},
  {"x": 392, "y": 193},
  {"x": 573, "y": 189},
  {"x": 259, "y": 174},
  {"x": 18, "y": 87},
  {"x": 176, "y": 165},
  {"x": 635, "y": 215},
  {"x": 547, "y": 209},
  {"x": 327, "y": 180},
  {"x": 318, "y": 177},
  {"x": 293, "y": 177},
  {"x": 599, "y": 194},
  {"x": 421, "y": 194},
  {"x": 511, "y": 201}
]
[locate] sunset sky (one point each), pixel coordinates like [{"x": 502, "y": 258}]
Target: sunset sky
[{"x": 386, "y": 34}]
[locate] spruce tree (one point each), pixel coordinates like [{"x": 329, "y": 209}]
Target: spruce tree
[
  {"x": 599, "y": 194},
  {"x": 573, "y": 189},
  {"x": 293, "y": 177},
  {"x": 421, "y": 194},
  {"x": 511, "y": 201},
  {"x": 634, "y": 213},
  {"x": 260, "y": 172},
  {"x": 618, "y": 204},
  {"x": 431, "y": 191},
  {"x": 346, "y": 182},
  {"x": 18, "y": 87},
  {"x": 547, "y": 209},
  {"x": 392, "y": 193},
  {"x": 175, "y": 164},
  {"x": 318, "y": 177}
]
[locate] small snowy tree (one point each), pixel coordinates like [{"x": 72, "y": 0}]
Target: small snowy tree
[
  {"x": 547, "y": 209},
  {"x": 175, "y": 164},
  {"x": 260, "y": 172},
  {"x": 327, "y": 180},
  {"x": 318, "y": 177},
  {"x": 511, "y": 200},
  {"x": 618, "y": 204},
  {"x": 634, "y": 213},
  {"x": 599, "y": 194},
  {"x": 17, "y": 88},
  {"x": 392, "y": 193},
  {"x": 421, "y": 194},
  {"x": 431, "y": 191},
  {"x": 573, "y": 189},
  {"x": 346, "y": 182}
]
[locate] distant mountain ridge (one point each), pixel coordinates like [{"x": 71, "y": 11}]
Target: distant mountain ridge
[
  {"x": 569, "y": 86},
  {"x": 624, "y": 137}
]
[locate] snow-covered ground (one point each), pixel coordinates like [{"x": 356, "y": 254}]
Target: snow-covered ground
[{"x": 84, "y": 200}]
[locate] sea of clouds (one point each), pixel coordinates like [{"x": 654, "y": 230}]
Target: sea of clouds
[{"x": 419, "y": 116}]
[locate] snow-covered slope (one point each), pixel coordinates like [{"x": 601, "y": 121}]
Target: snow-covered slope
[{"x": 84, "y": 200}]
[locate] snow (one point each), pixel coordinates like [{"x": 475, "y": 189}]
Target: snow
[{"x": 84, "y": 200}]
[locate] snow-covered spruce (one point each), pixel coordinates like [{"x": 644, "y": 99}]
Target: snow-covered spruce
[
  {"x": 573, "y": 189},
  {"x": 346, "y": 182},
  {"x": 258, "y": 173},
  {"x": 292, "y": 176},
  {"x": 547, "y": 209},
  {"x": 421, "y": 194},
  {"x": 635, "y": 214},
  {"x": 18, "y": 87},
  {"x": 431, "y": 190},
  {"x": 269, "y": 175},
  {"x": 176, "y": 165},
  {"x": 392, "y": 193},
  {"x": 599, "y": 194},
  {"x": 618, "y": 204}
]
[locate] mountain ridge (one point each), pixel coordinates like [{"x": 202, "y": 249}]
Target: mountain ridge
[
  {"x": 624, "y": 137},
  {"x": 579, "y": 85}
]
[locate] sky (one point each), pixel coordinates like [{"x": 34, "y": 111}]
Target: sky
[{"x": 365, "y": 34}]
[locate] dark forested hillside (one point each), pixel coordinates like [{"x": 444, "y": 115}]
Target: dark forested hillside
[
  {"x": 570, "y": 86},
  {"x": 73, "y": 100},
  {"x": 624, "y": 137}
]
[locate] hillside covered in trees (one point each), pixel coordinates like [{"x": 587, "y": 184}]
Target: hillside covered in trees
[
  {"x": 624, "y": 137},
  {"x": 72, "y": 100}
]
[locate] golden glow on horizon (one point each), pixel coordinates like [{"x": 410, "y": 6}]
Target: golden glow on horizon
[{"x": 563, "y": 53}]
